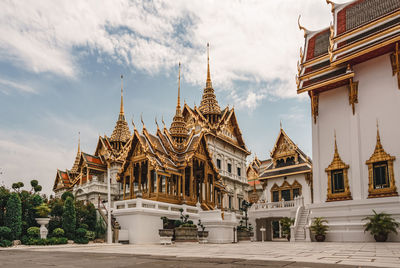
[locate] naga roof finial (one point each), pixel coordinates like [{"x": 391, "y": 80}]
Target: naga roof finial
[
  {"x": 331, "y": 3},
  {"x": 302, "y": 27}
]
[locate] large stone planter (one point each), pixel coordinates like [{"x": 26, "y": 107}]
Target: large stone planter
[
  {"x": 43, "y": 230},
  {"x": 243, "y": 235},
  {"x": 186, "y": 234},
  {"x": 202, "y": 236},
  {"x": 166, "y": 236}
]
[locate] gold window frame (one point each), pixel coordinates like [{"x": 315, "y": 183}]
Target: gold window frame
[
  {"x": 380, "y": 155},
  {"x": 338, "y": 164},
  {"x": 286, "y": 186}
]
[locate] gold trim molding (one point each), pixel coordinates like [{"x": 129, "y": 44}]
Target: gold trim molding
[
  {"x": 353, "y": 94},
  {"x": 338, "y": 164},
  {"x": 314, "y": 106},
  {"x": 380, "y": 155}
]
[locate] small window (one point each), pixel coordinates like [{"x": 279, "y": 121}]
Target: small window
[
  {"x": 230, "y": 201},
  {"x": 239, "y": 171},
  {"x": 230, "y": 168},
  {"x": 381, "y": 179},
  {"x": 337, "y": 181},
  {"x": 275, "y": 196},
  {"x": 286, "y": 195},
  {"x": 296, "y": 192},
  {"x": 240, "y": 202},
  {"x": 219, "y": 163}
]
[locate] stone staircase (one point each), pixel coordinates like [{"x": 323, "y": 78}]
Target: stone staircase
[{"x": 300, "y": 233}]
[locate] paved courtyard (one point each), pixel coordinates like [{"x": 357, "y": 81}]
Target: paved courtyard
[{"x": 268, "y": 254}]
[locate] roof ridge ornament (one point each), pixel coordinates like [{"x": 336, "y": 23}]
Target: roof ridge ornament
[
  {"x": 331, "y": 3},
  {"x": 121, "y": 109},
  {"x": 79, "y": 142},
  {"x": 302, "y": 27},
  {"x": 141, "y": 119}
]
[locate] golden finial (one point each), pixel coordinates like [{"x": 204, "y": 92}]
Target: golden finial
[
  {"x": 336, "y": 149},
  {"x": 333, "y": 5},
  {"x": 121, "y": 111},
  {"x": 208, "y": 82},
  {"x": 155, "y": 120},
  {"x": 79, "y": 142},
  {"x": 301, "y": 27},
  {"x": 280, "y": 123},
  {"x": 162, "y": 120},
  {"x": 141, "y": 119}
]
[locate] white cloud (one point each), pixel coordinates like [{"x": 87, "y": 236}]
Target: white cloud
[
  {"x": 6, "y": 86},
  {"x": 255, "y": 41}
]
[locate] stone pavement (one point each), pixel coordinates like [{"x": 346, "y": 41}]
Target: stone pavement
[{"x": 357, "y": 254}]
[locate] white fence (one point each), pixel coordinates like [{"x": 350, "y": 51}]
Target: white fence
[{"x": 296, "y": 202}]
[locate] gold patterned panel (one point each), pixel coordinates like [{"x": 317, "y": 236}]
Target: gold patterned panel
[
  {"x": 379, "y": 156},
  {"x": 338, "y": 164},
  {"x": 395, "y": 61},
  {"x": 353, "y": 94}
]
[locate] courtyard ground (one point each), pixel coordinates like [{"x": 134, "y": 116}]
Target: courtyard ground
[{"x": 243, "y": 254}]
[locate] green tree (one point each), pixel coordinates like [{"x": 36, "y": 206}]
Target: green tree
[
  {"x": 17, "y": 186},
  {"x": 69, "y": 218},
  {"x": 57, "y": 207},
  {"x": 91, "y": 217},
  {"x": 13, "y": 215},
  {"x": 4, "y": 195},
  {"x": 34, "y": 183}
]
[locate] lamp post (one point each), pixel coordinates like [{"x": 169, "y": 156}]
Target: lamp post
[{"x": 109, "y": 234}]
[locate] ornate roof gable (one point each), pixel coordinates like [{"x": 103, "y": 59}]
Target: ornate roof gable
[{"x": 284, "y": 147}]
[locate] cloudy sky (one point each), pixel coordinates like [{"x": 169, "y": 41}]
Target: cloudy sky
[{"x": 61, "y": 61}]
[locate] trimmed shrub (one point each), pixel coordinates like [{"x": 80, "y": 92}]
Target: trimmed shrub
[
  {"x": 5, "y": 233},
  {"x": 33, "y": 232},
  {"x": 80, "y": 233},
  {"x": 81, "y": 240},
  {"x": 33, "y": 202},
  {"x": 4, "y": 195},
  {"x": 91, "y": 217},
  {"x": 5, "y": 243},
  {"x": 58, "y": 232},
  {"x": 14, "y": 216},
  {"x": 84, "y": 226},
  {"x": 65, "y": 195},
  {"x": 43, "y": 210},
  {"x": 69, "y": 218},
  {"x": 90, "y": 235},
  {"x": 100, "y": 229}
]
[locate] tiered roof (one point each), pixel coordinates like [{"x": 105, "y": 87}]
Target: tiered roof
[
  {"x": 121, "y": 131},
  {"x": 361, "y": 30}
]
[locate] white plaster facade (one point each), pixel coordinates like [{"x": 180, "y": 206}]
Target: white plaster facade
[
  {"x": 236, "y": 184},
  {"x": 378, "y": 100}
]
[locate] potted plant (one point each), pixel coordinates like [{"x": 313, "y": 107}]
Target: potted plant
[
  {"x": 319, "y": 228},
  {"x": 185, "y": 230},
  {"x": 243, "y": 233},
  {"x": 43, "y": 212},
  {"x": 165, "y": 233},
  {"x": 380, "y": 225},
  {"x": 202, "y": 234},
  {"x": 286, "y": 222}
]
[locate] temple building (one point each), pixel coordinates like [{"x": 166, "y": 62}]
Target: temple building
[
  {"x": 172, "y": 166},
  {"x": 224, "y": 140},
  {"x": 286, "y": 184},
  {"x": 87, "y": 179},
  {"x": 351, "y": 71}
]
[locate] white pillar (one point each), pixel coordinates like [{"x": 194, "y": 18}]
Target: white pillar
[{"x": 109, "y": 231}]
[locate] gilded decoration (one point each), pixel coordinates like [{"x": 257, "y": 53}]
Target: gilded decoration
[
  {"x": 286, "y": 186},
  {"x": 395, "y": 60},
  {"x": 353, "y": 94},
  {"x": 314, "y": 106},
  {"x": 380, "y": 156},
  {"x": 336, "y": 165}
]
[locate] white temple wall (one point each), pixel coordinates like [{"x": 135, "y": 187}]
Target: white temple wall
[{"x": 378, "y": 98}]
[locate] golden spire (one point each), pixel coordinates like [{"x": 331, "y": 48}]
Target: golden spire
[
  {"x": 79, "y": 142},
  {"x": 209, "y": 104},
  {"x": 121, "y": 131},
  {"x": 179, "y": 88},
  {"x": 208, "y": 82},
  {"x": 178, "y": 126},
  {"x": 336, "y": 154},
  {"x": 121, "y": 110}
]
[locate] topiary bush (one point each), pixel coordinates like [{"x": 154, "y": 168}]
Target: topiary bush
[
  {"x": 100, "y": 228},
  {"x": 33, "y": 232},
  {"x": 65, "y": 195},
  {"x": 90, "y": 235},
  {"x": 13, "y": 218},
  {"x": 69, "y": 218},
  {"x": 5, "y": 243},
  {"x": 84, "y": 226},
  {"x": 58, "y": 232},
  {"x": 43, "y": 210},
  {"x": 80, "y": 236},
  {"x": 5, "y": 233}
]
